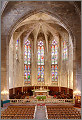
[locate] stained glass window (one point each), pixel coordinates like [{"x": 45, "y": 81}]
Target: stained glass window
[
  {"x": 54, "y": 61},
  {"x": 65, "y": 56},
  {"x": 17, "y": 44},
  {"x": 40, "y": 61},
  {"x": 27, "y": 58}
]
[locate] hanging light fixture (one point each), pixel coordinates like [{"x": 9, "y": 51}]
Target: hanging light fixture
[
  {"x": 4, "y": 92},
  {"x": 77, "y": 92}
]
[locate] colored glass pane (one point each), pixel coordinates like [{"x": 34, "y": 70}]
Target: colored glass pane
[
  {"x": 17, "y": 43},
  {"x": 40, "y": 61},
  {"x": 27, "y": 59},
  {"x": 65, "y": 51},
  {"x": 54, "y": 61}
]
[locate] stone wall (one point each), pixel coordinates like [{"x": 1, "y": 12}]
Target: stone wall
[
  {"x": 16, "y": 67},
  {"x": 68, "y": 13}
]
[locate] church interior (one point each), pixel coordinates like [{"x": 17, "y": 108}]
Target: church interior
[{"x": 41, "y": 60}]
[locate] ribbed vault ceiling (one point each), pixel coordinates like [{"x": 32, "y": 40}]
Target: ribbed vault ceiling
[{"x": 40, "y": 23}]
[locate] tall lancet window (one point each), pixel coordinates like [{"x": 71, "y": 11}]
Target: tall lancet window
[
  {"x": 65, "y": 53},
  {"x": 27, "y": 61},
  {"x": 40, "y": 61},
  {"x": 54, "y": 61},
  {"x": 17, "y": 45}
]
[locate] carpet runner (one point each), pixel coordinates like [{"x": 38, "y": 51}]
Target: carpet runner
[{"x": 40, "y": 112}]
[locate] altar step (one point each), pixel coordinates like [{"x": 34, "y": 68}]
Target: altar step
[{"x": 40, "y": 113}]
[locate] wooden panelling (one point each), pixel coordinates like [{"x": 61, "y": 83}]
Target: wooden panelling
[
  {"x": 77, "y": 101},
  {"x": 18, "y": 90},
  {"x": 64, "y": 90},
  {"x": 27, "y": 91}
]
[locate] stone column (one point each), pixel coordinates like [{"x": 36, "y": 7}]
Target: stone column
[
  {"x": 47, "y": 61},
  {"x": 59, "y": 65},
  {"x": 68, "y": 82},
  {"x": 74, "y": 66},
  {"x": 34, "y": 62},
  {"x": 7, "y": 62},
  {"x": 4, "y": 66},
  {"x": 68, "y": 68},
  {"x": 22, "y": 62},
  {"x": 14, "y": 66}
]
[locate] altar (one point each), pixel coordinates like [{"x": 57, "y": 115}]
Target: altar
[{"x": 41, "y": 91}]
